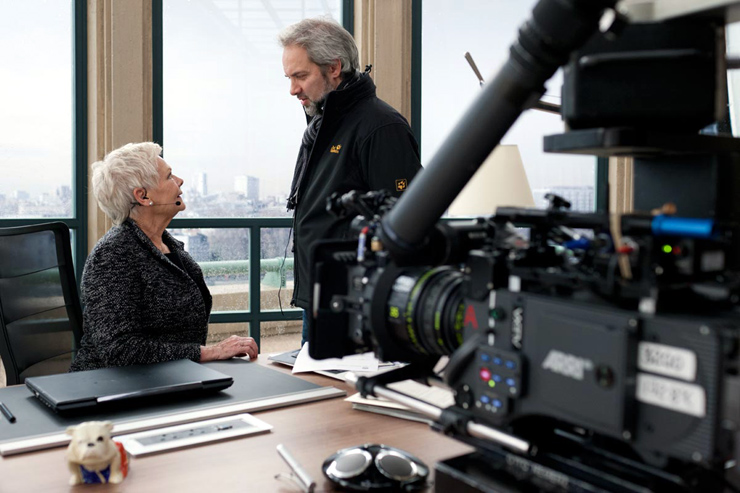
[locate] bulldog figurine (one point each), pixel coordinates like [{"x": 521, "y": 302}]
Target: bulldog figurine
[{"x": 93, "y": 457}]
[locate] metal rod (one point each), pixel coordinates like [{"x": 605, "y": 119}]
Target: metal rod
[
  {"x": 509, "y": 441},
  {"x": 433, "y": 412},
  {"x": 539, "y": 105},
  {"x": 732, "y": 63},
  {"x": 305, "y": 480},
  {"x": 547, "y": 107},
  {"x": 469, "y": 58},
  {"x": 428, "y": 410}
]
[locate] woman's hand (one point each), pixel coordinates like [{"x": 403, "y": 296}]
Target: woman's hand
[{"x": 228, "y": 348}]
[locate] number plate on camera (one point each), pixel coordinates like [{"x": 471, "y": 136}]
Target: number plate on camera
[
  {"x": 667, "y": 360},
  {"x": 677, "y": 396}
]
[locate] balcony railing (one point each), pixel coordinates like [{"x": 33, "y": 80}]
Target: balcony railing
[{"x": 274, "y": 269}]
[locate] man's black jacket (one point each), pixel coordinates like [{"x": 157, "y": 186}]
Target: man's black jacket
[{"x": 363, "y": 144}]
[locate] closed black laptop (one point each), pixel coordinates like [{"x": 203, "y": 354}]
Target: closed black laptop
[{"x": 86, "y": 389}]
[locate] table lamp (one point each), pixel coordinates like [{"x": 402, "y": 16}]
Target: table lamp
[{"x": 500, "y": 181}]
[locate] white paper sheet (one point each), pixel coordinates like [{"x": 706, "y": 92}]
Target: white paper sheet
[{"x": 356, "y": 362}]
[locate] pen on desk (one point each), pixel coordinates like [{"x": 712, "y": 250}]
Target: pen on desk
[
  {"x": 6, "y": 412},
  {"x": 303, "y": 477}
]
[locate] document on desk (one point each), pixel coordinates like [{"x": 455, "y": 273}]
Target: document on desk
[
  {"x": 438, "y": 396},
  {"x": 366, "y": 362}
]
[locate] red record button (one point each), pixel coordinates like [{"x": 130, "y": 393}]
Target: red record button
[{"x": 485, "y": 374}]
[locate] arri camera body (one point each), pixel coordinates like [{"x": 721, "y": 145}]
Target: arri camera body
[{"x": 587, "y": 351}]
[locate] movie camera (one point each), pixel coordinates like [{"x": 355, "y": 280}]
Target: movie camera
[{"x": 587, "y": 351}]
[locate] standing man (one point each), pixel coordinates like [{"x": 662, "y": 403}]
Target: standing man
[{"x": 354, "y": 141}]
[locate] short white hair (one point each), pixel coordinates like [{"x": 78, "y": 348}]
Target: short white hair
[{"x": 119, "y": 173}]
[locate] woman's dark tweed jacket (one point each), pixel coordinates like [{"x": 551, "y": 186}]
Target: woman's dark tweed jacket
[{"x": 139, "y": 306}]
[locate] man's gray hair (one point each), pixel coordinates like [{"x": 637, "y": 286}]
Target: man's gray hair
[
  {"x": 325, "y": 41},
  {"x": 119, "y": 173}
]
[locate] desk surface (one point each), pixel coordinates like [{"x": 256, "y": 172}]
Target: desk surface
[{"x": 311, "y": 432}]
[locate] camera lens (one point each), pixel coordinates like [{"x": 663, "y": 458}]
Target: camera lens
[{"x": 425, "y": 310}]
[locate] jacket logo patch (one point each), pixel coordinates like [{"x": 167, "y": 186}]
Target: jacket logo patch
[
  {"x": 401, "y": 184},
  {"x": 335, "y": 149}
]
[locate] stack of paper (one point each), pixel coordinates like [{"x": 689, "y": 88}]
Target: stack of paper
[
  {"x": 361, "y": 364},
  {"x": 437, "y": 396}
]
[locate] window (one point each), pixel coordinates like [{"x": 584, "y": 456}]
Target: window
[
  {"x": 42, "y": 130},
  {"x": 732, "y": 37},
  {"x": 487, "y": 29},
  {"x": 231, "y": 130}
]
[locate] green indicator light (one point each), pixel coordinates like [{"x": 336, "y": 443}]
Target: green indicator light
[
  {"x": 491, "y": 383},
  {"x": 395, "y": 312},
  {"x": 667, "y": 248}
]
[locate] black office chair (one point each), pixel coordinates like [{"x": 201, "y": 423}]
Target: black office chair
[{"x": 40, "y": 313}]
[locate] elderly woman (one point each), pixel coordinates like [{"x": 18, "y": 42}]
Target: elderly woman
[{"x": 145, "y": 298}]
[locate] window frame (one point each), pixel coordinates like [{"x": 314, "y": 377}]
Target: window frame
[
  {"x": 78, "y": 222},
  {"x": 254, "y": 315}
]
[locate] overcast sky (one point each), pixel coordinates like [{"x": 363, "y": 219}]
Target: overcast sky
[{"x": 35, "y": 95}]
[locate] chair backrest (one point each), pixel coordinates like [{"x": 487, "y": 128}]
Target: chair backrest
[{"x": 40, "y": 312}]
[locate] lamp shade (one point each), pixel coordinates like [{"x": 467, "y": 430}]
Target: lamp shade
[{"x": 500, "y": 181}]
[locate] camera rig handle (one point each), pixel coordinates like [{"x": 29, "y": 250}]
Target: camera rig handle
[{"x": 450, "y": 420}]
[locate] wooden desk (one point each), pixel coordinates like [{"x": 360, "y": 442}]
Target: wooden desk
[{"x": 311, "y": 432}]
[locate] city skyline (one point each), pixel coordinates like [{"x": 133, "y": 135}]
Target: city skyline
[{"x": 240, "y": 201}]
